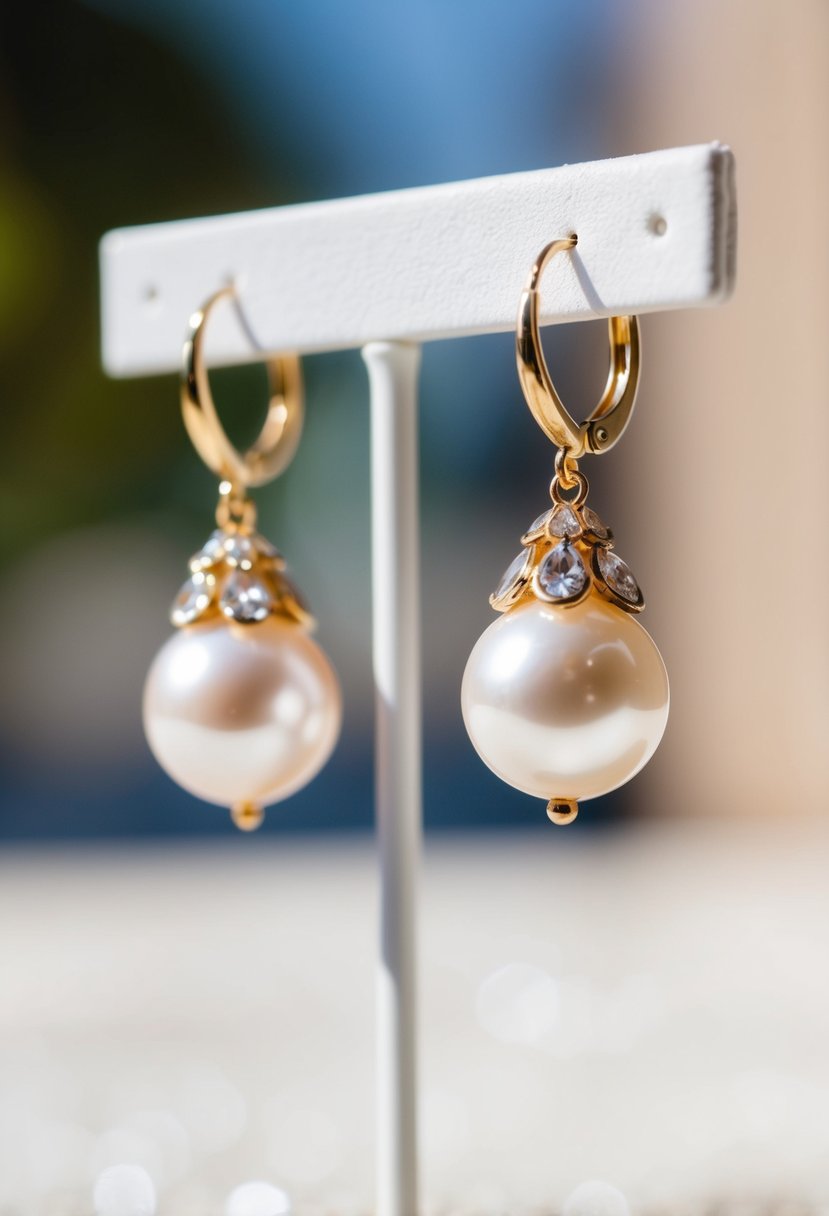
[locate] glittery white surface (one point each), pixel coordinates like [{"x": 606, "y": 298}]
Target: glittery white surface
[{"x": 644, "y": 1011}]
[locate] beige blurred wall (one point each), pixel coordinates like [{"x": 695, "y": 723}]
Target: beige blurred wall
[{"x": 727, "y": 462}]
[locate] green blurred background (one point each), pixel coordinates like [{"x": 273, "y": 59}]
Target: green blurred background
[
  {"x": 646, "y": 1006},
  {"x": 120, "y": 112},
  {"x": 127, "y": 113}
]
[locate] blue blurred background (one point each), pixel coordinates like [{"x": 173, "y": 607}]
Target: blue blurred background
[
  {"x": 119, "y": 113},
  {"x": 656, "y": 996}
]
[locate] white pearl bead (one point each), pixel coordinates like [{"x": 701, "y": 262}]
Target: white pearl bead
[
  {"x": 241, "y": 713},
  {"x": 565, "y": 702}
]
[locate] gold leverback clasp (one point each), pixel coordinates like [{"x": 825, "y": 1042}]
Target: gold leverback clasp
[
  {"x": 607, "y": 423},
  {"x": 277, "y": 442}
]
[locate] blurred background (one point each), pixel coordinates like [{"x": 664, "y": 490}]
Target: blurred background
[
  {"x": 118, "y": 112},
  {"x": 146, "y": 118}
]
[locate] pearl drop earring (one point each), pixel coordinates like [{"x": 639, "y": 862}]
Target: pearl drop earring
[
  {"x": 565, "y": 696},
  {"x": 241, "y": 707}
]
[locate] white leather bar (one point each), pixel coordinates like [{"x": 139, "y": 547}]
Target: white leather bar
[{"x": 427, "y": 263}]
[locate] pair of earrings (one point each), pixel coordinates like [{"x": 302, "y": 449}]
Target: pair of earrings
[{"x": 564, "y": 697}]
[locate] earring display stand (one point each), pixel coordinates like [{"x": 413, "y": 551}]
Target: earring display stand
[{"x": 385, "y": 273}]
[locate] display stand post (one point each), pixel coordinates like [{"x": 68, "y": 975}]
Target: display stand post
[
  {"x": 393, "y": 370},
  {"x": 385, "y": 273}
]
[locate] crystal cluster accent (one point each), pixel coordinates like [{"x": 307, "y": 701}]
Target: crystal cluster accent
[
  {"x": 562, "y": 574},
  {"x": 510, "y": 577},
  {"x": 240, "y": 551},
  {"x": 568, "y": 551},
  {"x": 290, "y": 591},
  {"x": 234, "y": 548},
  {"x": 536, "y": 528},
  {"x": 211, "y": 552},
  {"x": 241, "y": 576},
  {"x": 564, "y": 522},
  {"x": 618, "y": 575},
  {"x": 593, "y": 523},
  {"x": 245, "y": 598},
  {"x": 194, "y": 597},
  {"x": 567, "y": 520}
]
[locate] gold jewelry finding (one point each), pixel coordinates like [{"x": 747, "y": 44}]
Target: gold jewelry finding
[
  {"x": 277, "y": 442},
  {"x": 241, "y": 707},
  {"x": 566, "y": 696},
  {"x": 607, "y": 423}
]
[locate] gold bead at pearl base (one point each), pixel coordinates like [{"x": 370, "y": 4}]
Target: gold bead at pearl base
[
  {"x": 242, "y": 714},
  {"x": 247, "y": 816},
  {"x": 565, "y": 703},
  {"x": 562, "y": 811}
]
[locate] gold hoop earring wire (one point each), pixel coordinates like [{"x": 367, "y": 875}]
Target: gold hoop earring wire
[
  {"x": 277, "y": 442},
  {"x": 607, "y": 423}
]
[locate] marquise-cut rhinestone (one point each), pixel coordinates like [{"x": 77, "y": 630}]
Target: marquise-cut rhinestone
[
  {"x": 594, "y": 524},
  {"x": 562, "y": 575},
  {"x": 239, "y": 551},
  {"x": 264, "y": 546},
  {"x": 212, "y": 551},
  {"x": 245, "y": 598},
  {"x": 288, "y": 588},
  {"x": 511, "y": 575},
  {"x": 618, "y": 576},
  {"x": 538, "y": 524},
  {"x": 193, "y": 598},
  {"x": 564, "y": 522}
]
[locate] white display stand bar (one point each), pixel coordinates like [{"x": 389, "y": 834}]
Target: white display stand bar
[
  {"x": 384, "y": 273},
  {"x": 430, "y": 263}
]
